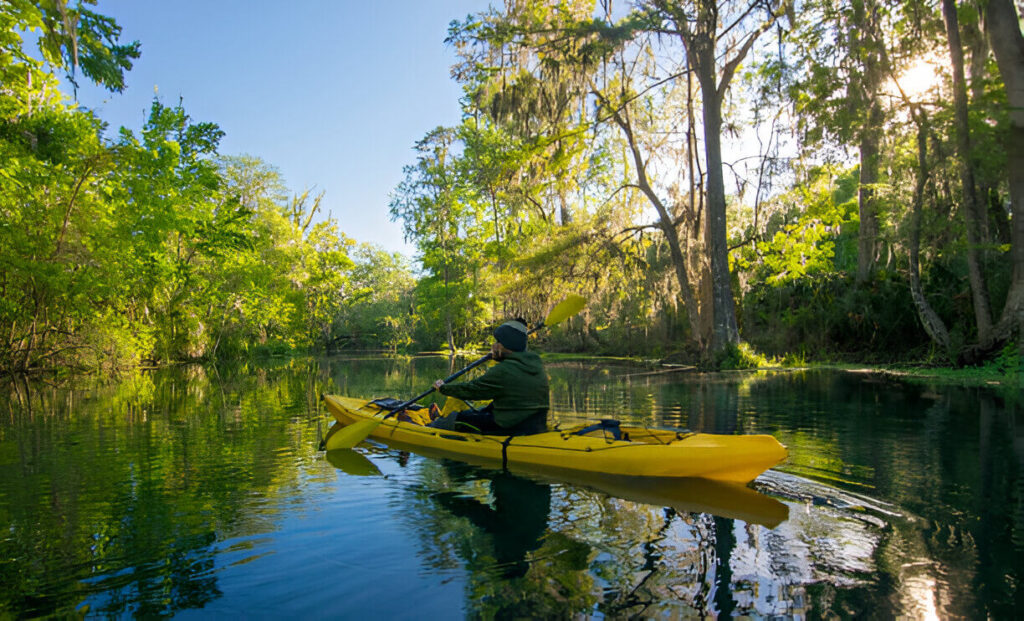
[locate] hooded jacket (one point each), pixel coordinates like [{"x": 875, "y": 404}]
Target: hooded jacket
[{"x": 517, "y": 386}]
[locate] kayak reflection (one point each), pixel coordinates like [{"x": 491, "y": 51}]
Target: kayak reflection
[
  {"x": 721, "y": 499},
  {"x": 686, "y": 495}
]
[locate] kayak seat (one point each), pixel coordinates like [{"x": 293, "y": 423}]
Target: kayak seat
[{"x": 609, "y": 426}]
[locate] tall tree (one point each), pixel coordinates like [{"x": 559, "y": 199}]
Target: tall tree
[
  {"x": 868, "y": 47},
  {"x": 1003, "y": 24},
  {"x": 933, "y": 324},
  {"x": 54, "y": 215},
  {"x": 701, "y": 26},
  {"x": 836, "y": 82},
  {"x": 431, "y": 202},
  {"x": 569, "y": 39},
  {"x": 973, "y": 215}
]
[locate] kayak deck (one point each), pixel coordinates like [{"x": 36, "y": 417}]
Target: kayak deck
[{"x": 646, "y": 453}]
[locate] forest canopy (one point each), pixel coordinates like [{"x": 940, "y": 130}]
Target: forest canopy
[
  {"x": 842, "y": 178},
  {"x": 120, "y": 249},
  {"x": 802, "y": 179}
]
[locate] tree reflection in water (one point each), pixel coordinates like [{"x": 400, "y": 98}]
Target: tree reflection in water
[
  {"x": 497, "y": 524},
  {"x": 547, "y": 550},
  {"x": 196, "y": 490}
]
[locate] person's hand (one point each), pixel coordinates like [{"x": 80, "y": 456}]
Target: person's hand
[{"x": 438, "y": 384}]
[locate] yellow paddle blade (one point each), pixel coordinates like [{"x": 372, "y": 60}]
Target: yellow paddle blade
[
  {"x": 568, "y": 307},
  {"x": 351, "y": 435}
]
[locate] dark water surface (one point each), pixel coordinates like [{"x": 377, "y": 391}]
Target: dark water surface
[{"x": 200, "y": 492}]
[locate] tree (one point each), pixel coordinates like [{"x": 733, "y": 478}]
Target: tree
[
  {"x": 70, "y": 38},
  {"x": 1002, "y": 22},
  {"x": 378, "y": 310},
  {"x": 567, "y": 39},
  {"x": 701, "y": 26},
  {"x": 972, "y": 213},
  {"x": 55, "y": 280},
  {"x": 433, "y": 205},
  {"x": 837, "y": 80}
]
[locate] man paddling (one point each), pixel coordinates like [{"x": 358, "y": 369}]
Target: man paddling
[{"x": 517, "y": 387}]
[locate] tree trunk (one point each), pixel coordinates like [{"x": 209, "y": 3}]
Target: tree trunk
[
  {"x": 564, "y": 211},
  {"x": 867, "y": 43},
  {"x": 979, "y": 291},
  {"x": 449, "y": 330},
  {"x": 724, "y": 332},
  {"x": 931, "y": 322},
  {"x": 1001, "y": 22},
  {"x": 995, "y": 223},
  {"x": 866, "y": 202},
  {"x": 665, "y": 222},
  {"x": 699, "y": 37}
]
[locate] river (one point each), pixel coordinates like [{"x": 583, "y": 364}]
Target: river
[{"x": 200, "y": 491}]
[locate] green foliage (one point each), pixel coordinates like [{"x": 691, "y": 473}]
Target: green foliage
[
  {"x": 576, "y": 168},
  {"x": 1010, "y": 362},
  {"x": 741, "y": 356},
  {"x": 811, "y": 231},
  {"x": 152, "y": 247},
  {"x": 378, "y": 310},
  {"x": 832, "y": 316}
]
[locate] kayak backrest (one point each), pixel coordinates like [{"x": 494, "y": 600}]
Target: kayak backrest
[
  {"x": 389, "y": 403},
  {"x": 608, "y": 427}
]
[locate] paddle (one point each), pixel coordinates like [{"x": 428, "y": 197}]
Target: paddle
[{"x": 359, "y": 431}]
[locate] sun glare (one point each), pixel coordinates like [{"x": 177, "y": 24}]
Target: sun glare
[{"x": 919, "y": 78}]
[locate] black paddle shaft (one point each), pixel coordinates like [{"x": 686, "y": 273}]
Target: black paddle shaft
[{"x": 401, "y": 406}]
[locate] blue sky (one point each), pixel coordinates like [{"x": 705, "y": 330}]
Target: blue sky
[{"x": 332, "y": 93}]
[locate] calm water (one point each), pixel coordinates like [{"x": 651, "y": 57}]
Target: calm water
[{"x": 200, "y": 492}]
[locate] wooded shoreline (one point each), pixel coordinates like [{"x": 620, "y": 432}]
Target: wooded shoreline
[{"x": 878, "y": 218}]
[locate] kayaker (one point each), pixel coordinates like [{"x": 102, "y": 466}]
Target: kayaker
[{"x": 517, "y": 387}]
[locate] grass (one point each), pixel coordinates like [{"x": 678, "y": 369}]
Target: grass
[{"x": 1007, "y": 369}]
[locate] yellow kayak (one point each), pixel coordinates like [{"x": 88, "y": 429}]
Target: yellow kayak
[{"x": 624, "y": 451}]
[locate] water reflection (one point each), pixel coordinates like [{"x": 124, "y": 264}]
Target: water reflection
[
  {"x": 201, "y": 490},
  {"x": 917, "y": 508},
  {"x": 113, "y": 498},
  {"x": 536, "y": 548},
  {"x": 514, "y": 515},
  {"x": 352, "y": 462}
]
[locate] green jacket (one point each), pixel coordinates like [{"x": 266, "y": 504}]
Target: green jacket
[{"x": 517, "y": 386}]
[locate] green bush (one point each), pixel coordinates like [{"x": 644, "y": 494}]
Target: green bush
[{"x": 740, "y": 356}]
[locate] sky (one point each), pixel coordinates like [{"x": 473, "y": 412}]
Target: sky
[{"x": 333, "y": 93}]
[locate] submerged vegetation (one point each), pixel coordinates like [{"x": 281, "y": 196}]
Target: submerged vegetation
[{"x": 729, "y": 183}]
